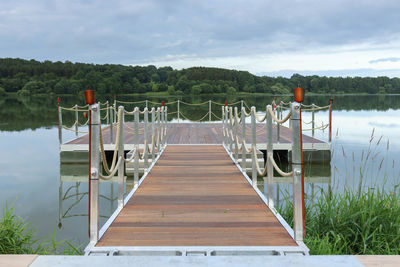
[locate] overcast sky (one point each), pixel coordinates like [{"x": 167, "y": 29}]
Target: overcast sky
[{"x": 280, "y": 37}]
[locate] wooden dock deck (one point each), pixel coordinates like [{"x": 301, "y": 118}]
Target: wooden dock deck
[
  {"x": 195, "y": 196},
  {"x": 199, "y": 133}
]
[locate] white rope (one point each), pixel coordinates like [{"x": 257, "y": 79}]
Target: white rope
[
  {"x": 284, "y": 174},
  {"x": 276, "y": 119},
  {"x": 112, "y": 173}
]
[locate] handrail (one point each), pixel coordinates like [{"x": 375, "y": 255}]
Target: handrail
[
  {"x": 231, "y": 124},
  {"x": 97, "y": 152}
]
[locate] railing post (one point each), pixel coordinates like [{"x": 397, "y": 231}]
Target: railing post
[
  {"x": 209, "y": 110},
  {"x": 178, "y": 111},
  {"x": 147, "y": 105},
  {"x": 223, "y": 125},
  {"x": 111, "y": 124},
  {"x": 108, "y": 112},
  {"x": 270, "y": 153},
  {"x": 121, "y": 168},
  {"x": 165, "y": 125},
  {"x": 145, "y": 152},
  {"x": 59, "y": 122},
  {"x": 94, "y": 172},
  {"x": 158, "y": 128},
  {"x": 76, "y": 120},
  {"x": 153, "y": 120},
  {"x": 162, "y": 126},
  {"x": 230, "y": 130},
  {"x": 243, "y": 116},
  {"x": 235, "y": 133},
  {"x": 330, "y": 119},
  {"x": 241, "y": 104},
  {"x": 253, "y": 146},
  {"x": 312, "y": 119},
  {"x": 278, "y": 126},
  {"x": 297, "y": 168},
  {"x": 136, "y": 143}
]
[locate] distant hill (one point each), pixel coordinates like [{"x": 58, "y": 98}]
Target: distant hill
[{"x": 35, "y": 77}]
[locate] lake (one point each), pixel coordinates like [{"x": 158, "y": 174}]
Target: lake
[{"x": 365, "y": 153}]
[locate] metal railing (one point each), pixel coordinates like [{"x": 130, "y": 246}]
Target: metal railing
[
  {"x": 235, "y": 140},
  {"x": 97, "y": 154}
]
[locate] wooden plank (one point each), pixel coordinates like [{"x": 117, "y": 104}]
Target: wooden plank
[
  {"x": 195, "y": 199},
  {"x": 197, "y": 133},
  {"x": 16, "y": 260},
  {"x": 379, "y": 260}
]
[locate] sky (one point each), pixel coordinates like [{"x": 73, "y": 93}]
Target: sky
[{"x": 264, "y": 37}]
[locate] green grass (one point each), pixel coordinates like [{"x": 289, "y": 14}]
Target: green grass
[
  {"x": 18, "y": 237},
  {"x": 351, "y": 223}
]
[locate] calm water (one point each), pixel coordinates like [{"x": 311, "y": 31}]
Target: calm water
[{"x": 57, "y": 201}]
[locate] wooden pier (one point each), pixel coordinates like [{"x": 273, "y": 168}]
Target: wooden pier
[
  {"x": 192, "y": 194},
  {"x": 195, "y": 196}
]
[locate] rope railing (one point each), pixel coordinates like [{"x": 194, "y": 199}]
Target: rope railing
[
  {"x": 156, "y": 133},
  {"x": 234, "y": 132},
  {"x": 313, "y": 108}
]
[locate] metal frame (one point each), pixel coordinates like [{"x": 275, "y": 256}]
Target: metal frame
[{"x": 110, "y": 220}]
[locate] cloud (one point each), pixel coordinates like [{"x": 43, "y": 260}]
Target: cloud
[
  {"x": 388, "y": 59},
  {"x": 125, "y": 32}
]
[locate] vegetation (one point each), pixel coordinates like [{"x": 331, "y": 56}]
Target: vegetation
[
  {"x": 350, "y": 223},
  {"x": 17, "y": 237},
  {"x": 27, "y": 77}
]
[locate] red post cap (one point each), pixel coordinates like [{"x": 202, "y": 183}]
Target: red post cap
[
  {"x": 85, "y": 115},
  {"x": 331, "y": 101},
  {"x": 226, "y": 103},
  {"x": 162, "y": 103},
  {"x": 298, "y": 94},
  {"x": 115, "y": 96},
  {"x": 58, "y": 100},
  {"x": 89, "y": 97}
]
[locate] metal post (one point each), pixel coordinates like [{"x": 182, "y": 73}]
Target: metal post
[
  {"x": 330, "y": 119},
  {"x": 59, "y": 124},
  {"x": 162, "y": 126},
  {"x": 115, "y": 109},
  {"x": 158, "y": 129},
  {"x": 209, "y": 110},
  {"x": 111, "y": 125},
  {"x": 76, "y": 120},
  {"x": 241, "y": 104},
  {"x": 94, "y": 172},
  {"x": 153, "y": 120},
  {"x": 108, "y": 112},
  {"x": 297, "y": 168},
  {"x": 278, "y": 126},
  {"x": 147, "y": 105},
  {"x": 312, "y": 118},
  {"x": 145, "y": 154},
  {"x": 227, "y": 126},
  {"x": 165, "y": 125},
  {"x": 270, "y": 153},
  {"x": 136, "y": 143},
  {"x": 253, "y": 146},
  {"x": 178, "y": 111},
  {"x": 243, "y": 116},
  {"x": 230, "y": 130},
  {"x": 121, "y": 168},
  {"x": 223, "y": 125},
  {"x": 235, "y": 133}
]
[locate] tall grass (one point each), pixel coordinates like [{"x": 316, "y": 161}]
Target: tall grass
[
  {"x": 351, "y": 223},
  {"x": 18, "y": 237}
]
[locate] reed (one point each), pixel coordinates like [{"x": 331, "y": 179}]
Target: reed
[
  {"x": 18, "y": 237},
  {"x": 363, "y": 222}
]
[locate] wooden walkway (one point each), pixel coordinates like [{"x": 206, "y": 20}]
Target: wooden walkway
[
  {"x": 195, "y": 196},
  {"x": 197, "y": 133}
]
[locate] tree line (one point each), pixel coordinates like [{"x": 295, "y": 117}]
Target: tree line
[{"x": 27, "y": 77}]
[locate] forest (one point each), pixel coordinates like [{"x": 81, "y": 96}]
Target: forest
[{"x": 31, "y": 77}]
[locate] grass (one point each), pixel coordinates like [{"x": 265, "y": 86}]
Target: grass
[
  {"x": 351, "y": 223},
  {"x": 18, "y": 237}
]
